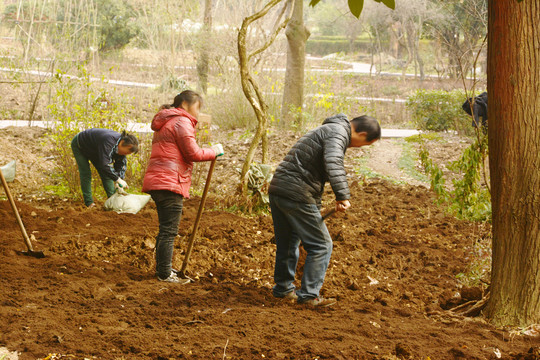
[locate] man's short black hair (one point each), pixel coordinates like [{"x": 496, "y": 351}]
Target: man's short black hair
[{"x": 368, "y": 124}]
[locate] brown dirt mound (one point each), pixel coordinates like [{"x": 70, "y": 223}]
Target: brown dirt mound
[{"x": 95, "y": 295}]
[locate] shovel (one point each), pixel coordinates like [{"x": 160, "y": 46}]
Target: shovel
[
  {"x": 30, "y": 252},
  {"x": 182, "y": 272}
]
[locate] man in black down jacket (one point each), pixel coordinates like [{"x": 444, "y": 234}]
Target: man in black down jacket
[{"x": 295, "y": 200}]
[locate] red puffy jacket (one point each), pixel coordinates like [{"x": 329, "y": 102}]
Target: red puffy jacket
[{"x": 174, "y": 150}]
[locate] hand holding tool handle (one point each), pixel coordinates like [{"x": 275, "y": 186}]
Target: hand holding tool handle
[{"x": 329, "y": 213}]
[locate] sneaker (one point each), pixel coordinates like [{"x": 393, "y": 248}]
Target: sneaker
[
  {"x": 173, "y": 271},
  {"x": 319, "y": 301},
  {"x": 291, "y": 295},
  {"x": 173, "y": 278}
]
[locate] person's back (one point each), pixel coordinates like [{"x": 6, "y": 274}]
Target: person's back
[
  {"x": 97, "y": 144},
  {"x": 317, "y": 157}
]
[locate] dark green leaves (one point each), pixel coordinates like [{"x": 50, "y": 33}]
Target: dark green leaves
[
  {"x": 356, "y": 6},
  {"x": 389, "y": 3}
]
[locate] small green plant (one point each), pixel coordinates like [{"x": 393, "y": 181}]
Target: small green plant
[
  {"x": 479, "y": 268},
  {"x": 174, "y": 84},
  {"x": 468, "y": 199}
]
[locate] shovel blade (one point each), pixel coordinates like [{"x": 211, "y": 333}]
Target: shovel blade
[{"x": 36, "y": 254}]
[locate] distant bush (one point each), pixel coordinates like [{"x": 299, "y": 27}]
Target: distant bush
[
  {"x": 439, "y": 110},
  {"x": 324, "y": 45}
]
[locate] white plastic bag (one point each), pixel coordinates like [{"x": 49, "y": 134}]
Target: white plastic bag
[
  {"x": 9, "y": 170},
  {"x": 130, "y": 203}
]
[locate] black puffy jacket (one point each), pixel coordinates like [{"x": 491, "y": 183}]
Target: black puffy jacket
[{"x": 316, "y": 158}]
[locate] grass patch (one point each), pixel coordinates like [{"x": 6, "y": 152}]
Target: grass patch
[
  {"x": 432, "y": 136},
  {"x": 363, "y": 170},
  {"x": 60, "y": 190},
  {"x": 408, "y": 160}
]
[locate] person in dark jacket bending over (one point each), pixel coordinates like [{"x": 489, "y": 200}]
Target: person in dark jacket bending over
[
  {"x": 107, "y": 150},
  {"x": 295, "y": 200}
]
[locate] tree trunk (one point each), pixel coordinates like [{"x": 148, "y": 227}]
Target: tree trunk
[
  {"x": 202, "y": 60},
  {"x": 409, "y": 41},
  {"x": 417, "y": 50},
  {"x": 252, "y": 92},
  {"x": 297, "y": 35},
  {"x": 514, "y": 145}
]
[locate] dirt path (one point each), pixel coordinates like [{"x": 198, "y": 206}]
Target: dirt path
[{"x": 384, "y": 157}]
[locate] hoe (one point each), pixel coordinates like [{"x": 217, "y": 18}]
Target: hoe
[{"x": 30, "y": 252}]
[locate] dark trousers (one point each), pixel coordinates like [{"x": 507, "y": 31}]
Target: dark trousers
[
  {"x": 294, "y": 223},
  {"x": 85, "y": 174},
  {"x": 169, "y": 209}
]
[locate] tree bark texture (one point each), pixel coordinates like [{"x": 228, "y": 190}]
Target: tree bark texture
[
  {"x": 204, "y": 43},
  {"x": 252, "y": 92},
  {"x": 514, "y": 160},
  {"x": 297, "y": 35}
]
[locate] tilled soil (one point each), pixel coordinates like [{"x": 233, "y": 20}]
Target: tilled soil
[{"x": 393, "y": 270}]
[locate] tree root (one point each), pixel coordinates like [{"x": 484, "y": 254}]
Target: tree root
[{"x": 471, "y": 308}]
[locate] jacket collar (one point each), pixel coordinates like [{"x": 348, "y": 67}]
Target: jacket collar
[{"x": 182, "y": 112}]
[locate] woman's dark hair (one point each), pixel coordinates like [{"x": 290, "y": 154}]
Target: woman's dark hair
[
  {"x": 130, "y": 140},
  {"x": 188, "y": 96},
  {"x": 367, "y": 124}
]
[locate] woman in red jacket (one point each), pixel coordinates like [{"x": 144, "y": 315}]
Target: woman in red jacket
[{"x": 168, "y": 176}]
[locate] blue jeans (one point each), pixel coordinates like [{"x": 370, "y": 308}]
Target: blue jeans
[
  {"x": 294, "y": 223},
  {"x": 169, "y": 209}
]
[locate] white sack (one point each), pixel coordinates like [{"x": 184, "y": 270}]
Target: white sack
[
  {"x": 130, "y": 203},
  {"x": 9, "y": 170}
]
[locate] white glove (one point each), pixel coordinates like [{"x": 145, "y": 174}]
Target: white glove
[
  {"x": 218, "y": 148},
  {"x": 120, "y": 184}
]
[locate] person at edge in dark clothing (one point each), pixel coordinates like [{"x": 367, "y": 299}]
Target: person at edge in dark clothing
[
  {"x": 106, "y": 150},
  {"x": 295, "y": 201},
  {"x": 168, "y": 175}
]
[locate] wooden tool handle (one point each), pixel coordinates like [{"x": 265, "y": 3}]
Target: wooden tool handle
[
  {"x": 14, "y": 207},
  {"x": 198, "y": 218},
  {"x": 329, "y": 213}
]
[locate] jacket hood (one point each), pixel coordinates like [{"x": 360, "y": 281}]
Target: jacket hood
[
  {"x": 340, "y": 119},
  {"x": 165, "y": 115}
]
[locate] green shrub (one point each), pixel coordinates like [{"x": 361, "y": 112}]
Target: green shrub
[
  {"x": 440, "y": 110},
  {"x": 325, "y": 45},
  {"x": 468, "y": 199},
  {"x": 79, "y": 105},
  {"x": 118, "y": 25}
]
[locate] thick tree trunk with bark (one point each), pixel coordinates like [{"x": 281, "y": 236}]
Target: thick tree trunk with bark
[
  {"x": 514, "y": 146},
  {"x": 297, "y": 35}
]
